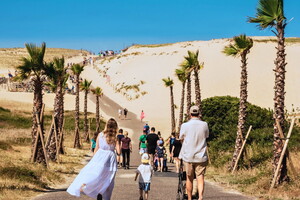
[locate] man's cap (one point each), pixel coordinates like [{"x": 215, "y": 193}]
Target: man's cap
[
  {"x": 194, "y": 110},
  {"x": 145, "y": 158}
]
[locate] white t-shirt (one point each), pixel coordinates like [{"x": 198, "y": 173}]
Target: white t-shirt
[
  {"x": 145, "y": 171},
  {"x": 194, "y": 132}
]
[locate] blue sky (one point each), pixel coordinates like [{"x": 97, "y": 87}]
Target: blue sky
[{"x": 114, "y": 24}]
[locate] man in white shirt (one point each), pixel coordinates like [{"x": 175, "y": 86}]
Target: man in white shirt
[{"x": 193, "y": 151}]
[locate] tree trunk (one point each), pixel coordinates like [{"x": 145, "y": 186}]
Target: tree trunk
[
  {"x": 37, "y": 108},
  {"x": 86, "y": 128},
  {"x": 97, "y": 114},
  {"x": 172, "y": 109},
  {"x": 198, "y": 92},
  {"x": 62, "y": 117},
  {"x": 188, "y": 96},
  {"x": 279, "y": 105},
  {"x": 181, "y": 106},
  {"x": 242, "y": 110},
  {"x": 77, "y": 135},
  {"x": 53, "y": 140}
]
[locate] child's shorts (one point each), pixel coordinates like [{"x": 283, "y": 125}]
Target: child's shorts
[
  {"x": 143, "y": 150},
  {"x": 144, "y": 186}
]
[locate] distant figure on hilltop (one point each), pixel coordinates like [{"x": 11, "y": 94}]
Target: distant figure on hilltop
[
  {"x": 125, "y": 113},
  {"x": 142, "y": 115},
  {"x": 120, "y": 113}
]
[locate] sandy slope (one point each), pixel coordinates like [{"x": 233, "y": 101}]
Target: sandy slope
[{"x": 220, "y": 76}]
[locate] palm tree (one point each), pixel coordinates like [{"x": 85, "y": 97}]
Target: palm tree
[
  {"x": 270, "y": 14},
  {"x": 196, "y": 68},
  {"x": 185, "y": 65},
  {"x": 240, "y": 48},
  {"x": 191, "y": 63},
  {"x": 180, "y": 73},
  {"x": 169, "y": 83},
  {"x": 99, "y": 93},
  {"x": 58, "y": 76},
  {"x": 85, "y": 86},
  {"x": 77, "y": 69},
  {"x": 34, "y": 67}
]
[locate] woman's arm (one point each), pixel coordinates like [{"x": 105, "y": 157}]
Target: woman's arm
[
  {"x": 172, "y": 150},
  {"x": 118, "y": 148},
  {"x": 130, "y": 146},
  {"x": 97, "y": 145}
]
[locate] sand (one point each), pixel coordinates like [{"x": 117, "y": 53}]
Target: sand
[{"x": 220, "y": 76}]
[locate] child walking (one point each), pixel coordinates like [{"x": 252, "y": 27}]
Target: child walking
[
  {"x": 144, "y": 171},
  {"x": 93, "y": 141},
  {"x": 160, "y": 151}
]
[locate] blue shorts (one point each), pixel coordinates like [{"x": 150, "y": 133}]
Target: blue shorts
[{"x": 144, "y": 186}]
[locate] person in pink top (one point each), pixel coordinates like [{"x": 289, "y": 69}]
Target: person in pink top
[{"x": 142, "y": 115}]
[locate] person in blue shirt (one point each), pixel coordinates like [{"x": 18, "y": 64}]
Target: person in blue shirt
[{"x": 93, "y": 141}]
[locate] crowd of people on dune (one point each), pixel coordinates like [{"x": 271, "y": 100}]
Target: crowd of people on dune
[{"x": 112, "y": 149}]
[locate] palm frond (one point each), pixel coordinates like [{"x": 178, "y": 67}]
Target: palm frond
[
  {"x": 77, "y": 69},
  {"x": 168, "y": 82},
  {"x": 97, "y": 91},
  {"x": 240, "y": 44},
  {"x": 85, "y": 85},
  {"x": 268, "y": 14},
  {"x": 181, "y": 75}
]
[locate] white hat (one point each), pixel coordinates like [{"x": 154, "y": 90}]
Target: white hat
[
  {"x": 145, "y": 158},
  {"x": 194, "y": 110}
]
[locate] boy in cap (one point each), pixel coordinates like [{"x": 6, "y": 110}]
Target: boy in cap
[{"x": 144, "y": 171}]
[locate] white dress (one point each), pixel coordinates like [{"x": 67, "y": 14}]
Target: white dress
[{"x": 99, "y": 174}]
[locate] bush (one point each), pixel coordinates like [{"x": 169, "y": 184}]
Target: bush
[{"x": 221, "y": 114}]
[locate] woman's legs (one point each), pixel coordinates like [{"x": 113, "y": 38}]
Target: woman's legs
[
  {"x": 161, "y": 161},
  {"x": 177, "y": 164},
  {"x": 123, "y": 155},
  {"x": 128, "y": 158}
]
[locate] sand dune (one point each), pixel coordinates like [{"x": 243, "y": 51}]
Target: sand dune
[{"x": 220, "y": 76}]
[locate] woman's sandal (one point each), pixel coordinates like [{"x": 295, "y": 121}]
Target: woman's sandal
[{"x": 82, "y": 186}]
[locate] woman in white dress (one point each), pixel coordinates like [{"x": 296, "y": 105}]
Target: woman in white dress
[{"x": 97, "y": 177}]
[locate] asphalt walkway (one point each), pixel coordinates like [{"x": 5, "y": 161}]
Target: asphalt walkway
[{"x": 164, "y": 184}]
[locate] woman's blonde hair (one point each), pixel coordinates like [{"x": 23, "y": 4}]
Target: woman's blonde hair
[{"x": 110, "y": 131}]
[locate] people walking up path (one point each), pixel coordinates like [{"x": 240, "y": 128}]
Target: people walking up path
[{"x": 124, "y": 180}]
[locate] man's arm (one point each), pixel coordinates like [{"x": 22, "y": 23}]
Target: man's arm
[{"x": 182, "y": 132}]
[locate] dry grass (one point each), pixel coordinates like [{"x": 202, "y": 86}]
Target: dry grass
[
  {"x": 19, "y": 177},
  {"x": 256, "y": 181},
  {"x": 10, "y": 57},
  {"x": 291, "y": 40}
]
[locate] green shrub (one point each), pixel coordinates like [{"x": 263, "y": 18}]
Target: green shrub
[{"x": 221, "y": 114}]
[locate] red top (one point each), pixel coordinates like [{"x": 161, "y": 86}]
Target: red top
[{"x": 125, "y": 142}]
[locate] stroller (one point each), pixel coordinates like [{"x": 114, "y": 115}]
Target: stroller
[{"x": 181, "y": 192}]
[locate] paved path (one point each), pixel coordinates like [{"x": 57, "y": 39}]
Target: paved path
[{"x": 164, "y": 184}]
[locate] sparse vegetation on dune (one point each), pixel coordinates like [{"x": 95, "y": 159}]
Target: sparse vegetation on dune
[
  {"x": 11, "y": 57},
  {"x": 19, "y": 177},
  {"x": 290, "y": 40},
  {"x": 151, "y": 45}
]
